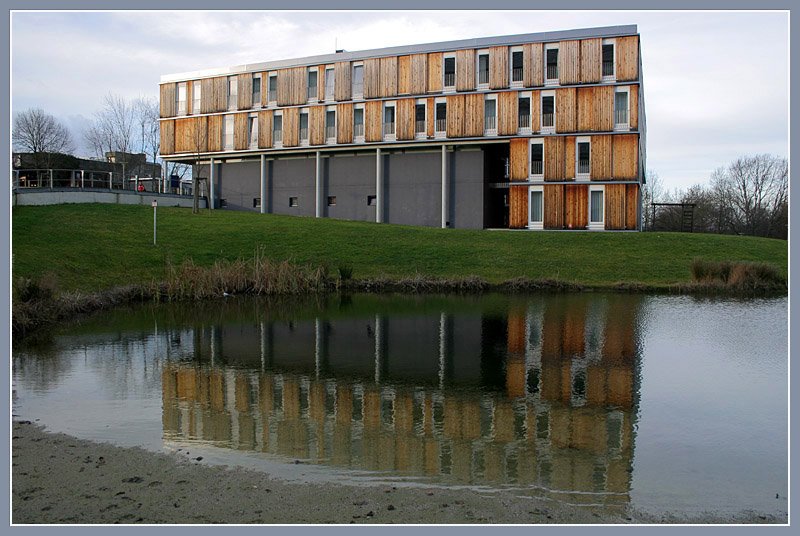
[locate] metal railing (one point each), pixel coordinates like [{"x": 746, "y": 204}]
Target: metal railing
[
  {"x": 608, "y": 68},
  {"x": 277, "y": 135},
  {"x": 449, "y": 79},
  {"x": 483, "y": 77},
  {"x": 524, "y": 121},
  {"x": 181, "y": 107},
  {"x": 304, "y": 133},
  {"x": 552, "y": 72},
  {"x": 80, "y": 179},
  {"x": 358, "y": 89},
  {"x": 620, "y": 117},
  {"x": 328, "y": 93},
  {"x": 358, "y": 129},
  {"x": 537, "y": 167},
  {"x": 312, "y": 92},
  {"x": 547, "y": 120},
  {"x": 441, "y": 125},
  {"x": 388, "y": 128},
  {"x": 272, "y": 95},
  {"x": 330, "y": 132},
  {"x": 516, "y": 74},
  {"x": 490, "y": 122},
  {"x": 256, "y": 98},
  {"x": 419, "y": 127},
  {"x": 583, "y": 166}
]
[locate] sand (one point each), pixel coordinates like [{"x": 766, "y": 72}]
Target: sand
[{"x": 57, "y": 478}]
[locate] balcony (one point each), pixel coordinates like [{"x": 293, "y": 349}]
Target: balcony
[
  {"x": 552, "y": 72},
  {"x": 419, "y": 127},
  {"x": 358, "y": 129},
  {"x": 490, "y": 123},
  {"x": 330, "y": 132},
  {"x": 583, "y": 166},
  {"x": 537, "y": 167},
  {"x": 524, "y": 121},
  {"x": 516, "y": 74},
  {"x": 620, "y": 117},
  {"x": 483, "y": 77},
  {"x": 449, "y": 79},
  {"x": 608, "y": 68},
  {"x": 547, "y": 120},
  {"x": 441, "y": 125},
  {"x": 272, "y": 95}
]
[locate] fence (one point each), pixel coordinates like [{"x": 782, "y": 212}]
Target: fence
[{"x": 82, "y": 179}]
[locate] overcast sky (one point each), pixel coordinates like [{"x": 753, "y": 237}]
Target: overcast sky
[{"x": 715, "y": 84}]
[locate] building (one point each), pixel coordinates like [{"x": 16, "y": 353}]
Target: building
[
  {"x": 58, "y": 170},
  {"x": 539, "y": 131}
]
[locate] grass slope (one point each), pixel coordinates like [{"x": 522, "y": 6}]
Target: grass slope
[{"x": 92, "y": 247}]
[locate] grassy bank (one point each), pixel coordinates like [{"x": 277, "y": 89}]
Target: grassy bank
[{"x": 94, "y": 247}]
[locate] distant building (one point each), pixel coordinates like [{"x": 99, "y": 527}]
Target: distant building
[{"x": 35, "y": 169}]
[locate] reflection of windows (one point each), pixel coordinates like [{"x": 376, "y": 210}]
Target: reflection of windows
[
  {"x": 304, "y": 127},
  {"x": 329, "y": 84},
  {"x": 196, "y": 93},
  {"x": 272, "y": 93},
  {"x": 388, "y": 121},
  {"x": 490, "y": 116},
  {"x": 277, "y": 130},
  {"x": 252, "y": 130},
  {"x": 330, "y": 126}
]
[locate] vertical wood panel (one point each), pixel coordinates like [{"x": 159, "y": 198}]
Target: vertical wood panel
[
  {"x": 189, "y": 98},
  {"x": 600, "y": 166},
  {"x": 569, "y": 157},
  {"x": 568, "y": 62},
  {"x": 631, "y": 206},
  {"x": 405, "y": 119},
  {"x": 240, "y": 131},
  {"x": 507, "y": 113},
  {"x": 465, "y": 70},
  {"x": 565, "y": 109},
  {"x": 191, "y": 135},
  {"x": 167, "y": 100},
  {"x": 527, "y": 65},
  {"x": 320, "y": 83},
  {"x": 291, "y": 127},
  {"x": 372, "y": 78},
  {"x": 587, "y": 117},
  {"x": 455, "y": 116},
  {"x": 316, "y": 125},
  {"x": 554, "y": 206},
  {"x": 627, "y": 60},
  {"x": 372, "y": 121},
  {"x": 435, "y": 72},
  {"x": 207, "y": 104},
  {"x": 518, "y": 207},
  {"x": 634, "y": 107},
  {"x": 419, "y": 74},
  {"x": 292, "y": 86},
  {"x": 537, "y": 64},
  {"x": 604, "y": 106},
  {"x": 498, "y": 67},
  {"x": 591, "y": 60},
  {"x": 554, "y": 158},
  {"x": 404, "y": 75},
  {"x": 264, "y": 90},
  {"x": 244, "y": 91},
  {"x": 344, "y": 123},
  {"x": 536, "y": 104},
  {"x": 167, "y": 132},
  {"x": 473, "y": 119},
  {"x": 625, "y": 158},
  {"x": 577, "y": 206},
  {"x": 214, "y": 133},
  {"x": 220, "y": 94},
  {"x": 343, "y": 85},
  {"x": 615, "y": 206},
  {"x": 389, "y": 76},
  {"x": 265, "y": 129},
  {"x": 431, "y": 117},
  {"x": 518, "y": 159}
]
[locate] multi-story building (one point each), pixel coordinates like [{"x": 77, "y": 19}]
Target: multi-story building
[{"x": 538, "y": 131}]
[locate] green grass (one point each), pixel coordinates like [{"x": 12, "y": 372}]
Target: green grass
[{"x": 94, "y": 247}]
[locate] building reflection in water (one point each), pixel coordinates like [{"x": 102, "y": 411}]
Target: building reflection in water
[{"x": 542, "y": 396}]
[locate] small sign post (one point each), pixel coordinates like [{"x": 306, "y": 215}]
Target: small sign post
[{"x": 155, "y": 205}]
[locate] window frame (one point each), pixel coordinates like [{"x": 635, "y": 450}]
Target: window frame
[
  {"x": 538, "y": 224},
  {"x": 478, "y": 53},
  {"x": 294, "y": 201},
  {"x": 424, "y": 134},
  {"x": 389, "y": 136},
  {"x": 184, "y": 110},
  {"x": 197, "y": 95},
  {"x": 542, "y": 128},
  {"x": 445, "y": 87},
  {"x": 303, "y": 141},
  {"x": 233, "y": 96},
  {"x": 578, "y": 141},
  {"x": 358, "y": 138},
  {"x": 622, "y": 127},
  {"x": 272, "y": 75},
  {"x": 518, "y": 83},
  {"x": 487, "y": 131},
  {"x": 608, "y": 79},
  {"x": 227, "y": 139},
  {"x": 277, "y": 143},
  {"x": 439, "y": 134},
  {"x": 312, "y": 98},
  {"x": 330, "y": 140},
  {"x": 531, "y": 174},
  {"x": 330, "y": 88},
  {"x": 252, "y": 125},
  {"x": 529, "y": 129},
  {"x": 356, "y": 95},
  {"x": 597, "y": 225},
  {"x": 256, "y": 102},
  {"x": 550, "y": 81}
]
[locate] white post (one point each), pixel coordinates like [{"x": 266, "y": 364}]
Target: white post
[
  {"x": 317, "y": 346},
  {"x": 263, "y": 184},
  {"x": 211, "y": 184},
  {"x": 82, "y": 177},
  {"x": 155, "y": 207},
  {"x": 110, "y": 180},
  {"x": 378, "y": 186},
  {"x": 444, "y": 187},
  {"x": 318, "y": 186}
]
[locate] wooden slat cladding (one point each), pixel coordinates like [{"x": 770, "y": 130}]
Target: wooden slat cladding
[
  {"x": 292, "y": 86},
  {"x": 537, "y": 64},
  {"x": 576, "y": 206},
  {"x": 404, "y": 75},
  {"x": 240, "y": 131},
  {"x": 627, "y": 61},
  {"x": 265, "y": 129},
  {"x": 554, "y": 158},
  {"x": 167, "y": 132},
  {"x": 498, "y": 67},
  {"x": 207, "y": 96},
  {"x": 215, "y": 133},
  {"x": 167, "y": 100},
  {"x": 244, "y": 91},
  {"x": 291, "y": 127},
  {"x": 600, "y": 165},
  {"x": 264, "y": 90},
  {"x": 553, "y": 206},
  {"x": 372, "y": 121},
  {"x": 405, "y": 119},
  {"x": 344, "y": 123},
  {"x": 321, "y": 82},
  {"x": 591, "y": 60},
  {"x": 518, "y": 159},
  {"x": 219, "y": 94},
  {"x": 455, "y": 116},
  {"x": 566, "y": 120},
  {"x": 465, "y": 70},
  {"x": 316, "y": 125},
  {"x": 435, "y": 72},
  {"x": 568, "y": 62},
  {"x": 419, "y": 74},
  {"x": 388, "y": 77},
  {"x": 372, "y": 78},
  {"x": 615, "y": 206},
  {"x": 595, "y": 109},
  {"x": 431, "y": 116},
  {"x": 626, "y": 156},
  {"x": 631, "y": 206},
  {"x": 536, "y": 106},
  {"x": 518, "y": 207},
  {"x": 633, "y": 97},
  {"x": 507, "y": 113},
  {"x": 569, "y": 157},
  {"x": 190, "y": 99},
  {"x": 343, "y": 84},
  {"x": 473, "y": 119}
]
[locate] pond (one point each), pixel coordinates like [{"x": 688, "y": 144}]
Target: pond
[{"x": 660, "y": 403}]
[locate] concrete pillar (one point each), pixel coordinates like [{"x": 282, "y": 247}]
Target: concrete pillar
[
  {"x": 211, "y": 181},
  {"x": 51, "y": 179},
  {"x": 378, "y": 186},
  {"x": 318, "y": 186},
  {"x": 110, "y": 180},
  {"x": 263, "y": 184},
  {"x": 82, "y": 177},
  {"x": 444, "y": 187}
]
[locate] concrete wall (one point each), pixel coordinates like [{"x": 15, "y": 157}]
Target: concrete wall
[{"x": 120, "y": 197}]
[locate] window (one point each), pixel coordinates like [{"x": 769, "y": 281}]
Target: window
[
  {"x": 196, "y": 95},
  {"x": 441, "y": 118},
  {"x": 449, "y": 72},
  {"x": 551, "y": 64},
  {"x": 256, "y": 90},
  {"x": 272, "y": 89},
  {"x": 608, "y": 60},
  {"x": 330, "y": 126},
  {"x": 358, "y": 81},
  {"x": 312, "y": 84},
  {"x": 548, "y": 113},
  {"x": 277, "y": 130},
  {"x": 331, "y": 200},
  {"x": 420, "y": 123},
  {"x": 256, "y": 202},
  {"x": 516, "y": 66},
  {"x": 358, "y": 123},
  {"x": 304, "y": 128},
  {"x": 388, "y": 121},
  {"x": 253, "y": 130},
  {"x": 524, "y": 113},
  {"x": 536, "y": 212},
  {"x": 371, "y": 201},
  {"x": 537, "y": 158},
  {"x": 483, "y": 70},
  {"x": 227, "y": 135},
  {"x": 329, "y": 84},
  {"x": 583, "y": 158},
  {"x": 621, "y": 120},
  {"x": 293, "y": 202},
  {"x": 181, "y": 96},
  {"x": 233, "y": 92},
  {"x": 490, "y": 116},
  {"x": 596, "y": 207}
]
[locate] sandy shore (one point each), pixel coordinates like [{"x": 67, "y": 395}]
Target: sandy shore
[{"x": 57, "y": 478}]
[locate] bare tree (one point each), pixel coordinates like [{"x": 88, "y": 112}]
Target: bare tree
[
  {"x": 35, "y": 131},
  {"x": 147, "y": 114},
  {"x": 114, "y": 130},
  {"x": 200, "y": 145},
  {"x": 652, "y": 192}
]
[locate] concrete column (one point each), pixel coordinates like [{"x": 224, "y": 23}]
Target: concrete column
[
  {"x": 444, "y": 187},
  {"x": 378, "y": 186},
  {"x": 211, "y": 180},
  {"x": 51, "y": 179},
  {"x": 82, "y": 177},
  {"x": 318, "y": 186},
  {"x": 110, "y": 180},
  {"x": 263, "y": 184}
]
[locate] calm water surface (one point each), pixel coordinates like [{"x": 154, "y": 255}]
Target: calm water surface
[{"x": 665, "y": 404}]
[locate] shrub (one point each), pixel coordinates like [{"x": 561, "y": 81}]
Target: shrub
[
  {"x": 345, "y": 272},
  {"x": 741, "y": 276}
]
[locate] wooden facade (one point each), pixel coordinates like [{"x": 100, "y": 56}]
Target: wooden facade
[
  {"x": 568, "y": 62},
  {"x": 344, "y": 123}
]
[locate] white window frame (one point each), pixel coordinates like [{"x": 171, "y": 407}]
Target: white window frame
[
  {"x": 181, "y": 109},
  {"x": 439, "y": 134},
  {"x": 272, "y": 103},
  {"x": 233, "y": 83},
  {"x": 197, "y": 94},
  {"x": 521, "y": 81},
  {"x": 612, "y": 78},
  {"x": 550, "y": 81},
  {"x": 578, "y": 141},
  {"x": 227, "y": 138},
  {"x": 543, "y": 129},
  {"x": 486, "y": 130},
  {"x": 478, "y": 54},
  {"x": 330, "y": 89},
  {"x": 449, "y": 89},
  {"x": 536, "y": 225},
  {"x": 358, "y": 138},
  {"x": 525, "y": 131},
  {"x": 312, "y": 99},
  {"x": 391, "y": 136},
  {"x": 531, "y": 174},
  {"x": 601, "y": 225},
  {"x": 257, "y": 103},
  {"x": 355, "y": 95},
  {"x": 277, "y": 144},
  {"x": 304, "y": 141},
  {"x": 424, "y": 134},
  {"x": 622, "y": 127},
  {"x": 252, "y": 120},
  {"x": 330, "y": 140}
]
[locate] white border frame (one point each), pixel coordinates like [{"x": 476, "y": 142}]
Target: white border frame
[
  {"x": 578, "y": 141},
  {"x": 535, "y": 225},
  {"x": 601, "y": 225}
]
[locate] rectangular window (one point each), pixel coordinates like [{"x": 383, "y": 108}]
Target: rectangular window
[
  {"x": 312, "y": 84},
  {"x": 256, "y": 202},
  {"x": 551, "y": 68},
  {"x": 537, "y": 159},
  {"x": 304, "y": 127},
  {"x": 181, "y": 98},
  {"x": 227, "y": 139},
  {"x": 331, "y": 200},
  {"x": 272, "y": 90},
  {"x": 329, "y": 84},
  {"x": 330, "y": 126},
  {"x": 256, "y": 90},
  {"x": 449, "y": 72},
  {"x": 483, "y": 69},
  {"x": 253, "y": 130},
  {"x": 277, "y": 130},
  {"x": 596, "y": 206},
  {"x": 358, "y": 81},
  {"x": 371, "y": 201},
  {"x": 388, "y": 120},
  {"x": 233, "y": 92},
  {"x": 524, "y": 107},
  {"x": 293, "y": 202},
  {"x": 536, "y": 207},
  {"x": 196, "y": 95},
  {"x": 516, "y": 66},
  {"x": 490, "y": 116},
  {"x": 583, "y": 159},
  {"x": 441, "y": 117},
  {"x": 621, "y": 109},
  {"x": 608, "y": 60},
  {"x": 358, "y": 122},
  {"x": 548, "y": 112},
  {"x": 420, "y": 114}
]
